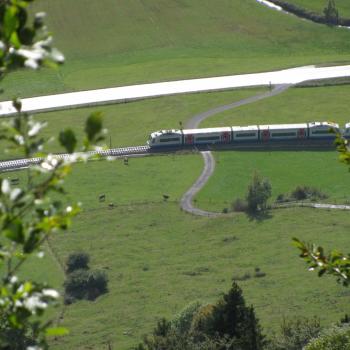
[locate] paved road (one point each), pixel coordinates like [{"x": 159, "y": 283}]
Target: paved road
[
  {"x": 186, "y": 202},
  {"x": 143, "y": 91}
]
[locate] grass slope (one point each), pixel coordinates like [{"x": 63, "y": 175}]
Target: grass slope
[
  {"x": 117, "y": 42},
  {"x": 158, "y": 259},
  {"x": 293, "y": 106},
  {"x": 285, "y": 170}
]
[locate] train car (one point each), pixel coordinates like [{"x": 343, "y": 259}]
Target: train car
[
  {"x": 165, "y": 138},
  {"x": 207, "y": 136},
  {"x": 253, "y": 133},
  {"x": 282, "y": 132},
  {"x": 245, "y": 133},
  {"x": 346, "y": 132},
  {"x": 323, "y": 130}
]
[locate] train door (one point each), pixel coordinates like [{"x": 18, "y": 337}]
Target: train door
[
  {"x": 225, "y": 137},
  {"x": 265, "y": 135},
  {"x": 301, "y": 133},
  {"x": 189, "y": 139}
]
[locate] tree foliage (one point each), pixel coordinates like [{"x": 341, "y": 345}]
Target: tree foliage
[
  {"x": 334, "y": 338},
  {"x": 259, "y": 191},
  {"x": 295, "y": 334},
  {"x": 331, "y": 13},
  {"x": 229, "y": 324},
  {"x": 76, "y": 261}
]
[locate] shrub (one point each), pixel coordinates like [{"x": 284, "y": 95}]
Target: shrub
[
  {"x": 307, "y": 192},
  {"x": 240, "y": 205},
  {"x": 295, "y": 334},
  {"x": 259, "y": 191},
  {"x": 84, "y": 284},
  {"x": 182, "y": 322},
  {"x": 77, "y": 261},
  {"x": 335, "y": 338},
  {"x": 258, "y": 273}
]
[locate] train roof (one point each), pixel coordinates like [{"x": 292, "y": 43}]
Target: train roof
[
  {"x": 166, "y": 132},
  {"x": 245, "y": 128},
  {"x": 283, "y": 126},
  {"x": 323, "y": 124},
  {"x": 205, "y": 130}
]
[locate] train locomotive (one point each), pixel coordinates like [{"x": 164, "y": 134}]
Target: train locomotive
[{"x": 251, "y": 133}]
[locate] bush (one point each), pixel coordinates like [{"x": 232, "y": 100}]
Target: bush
[
  {"x": 84, "y": 284},
  {"x": 306, "y": 192},
  {"x": 336, "y": 338},
  {"x": 182, "y": 322},
  {"x": 77, "y": 261},
  {"x": 295, "y": 334},
  {"x": 240, "y": 205}
]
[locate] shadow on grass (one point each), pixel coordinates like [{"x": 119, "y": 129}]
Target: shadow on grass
[{"x": 259, "y": 216}]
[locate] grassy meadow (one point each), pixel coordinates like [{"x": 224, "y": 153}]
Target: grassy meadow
[
  {"x": 295, "y": 105},
  {"x": 158, "y": 258},
  {"x": 285, "y": 169},
  {"x": 117, "y": 43}
]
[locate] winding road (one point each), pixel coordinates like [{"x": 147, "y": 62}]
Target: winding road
[{"x": 186, "y": 202}]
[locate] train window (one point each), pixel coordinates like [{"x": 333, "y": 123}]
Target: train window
[
  {"x": 284, "y": 134},
  {"x": 207, "y": 138},
  {"x": 320, "y": 132},
  {"x": 252, "y": 134},
  {"x": 170, "y": 139}
]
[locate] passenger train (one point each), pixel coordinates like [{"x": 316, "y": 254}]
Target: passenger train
[{"x": 252, "y": 133}]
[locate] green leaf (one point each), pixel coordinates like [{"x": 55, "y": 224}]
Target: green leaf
[
  {"x": 68, "y": 140},
  {"x": 10, "y": 21},
  {"x": 93, "y": 125},
  {"x": 57, "y": 331},
  {"x": 14, "y": 231}
]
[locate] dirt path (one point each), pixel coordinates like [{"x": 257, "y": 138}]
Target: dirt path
[{"x": 186, "y": 202}]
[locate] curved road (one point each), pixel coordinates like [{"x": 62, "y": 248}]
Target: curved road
[{"x": 186, "y": 202}]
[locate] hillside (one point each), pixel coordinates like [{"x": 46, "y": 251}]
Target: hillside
[
  {"x": 117, "y": 42},
  {"x": 157, "y": 257}
]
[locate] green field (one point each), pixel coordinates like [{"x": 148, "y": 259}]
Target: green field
[
  {"x": 285, "y": 170},
  {"x": 118, "y": 42},
  {"x": 343, "y": 6},
  {"x": 293, "y": 106},
  {"x": 157, "y": 257}
]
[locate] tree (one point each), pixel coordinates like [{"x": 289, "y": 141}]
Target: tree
[
  {"x": 28, "y": 215},
  {"x": 229, "y": 324},
  {"x": 331, "y": 13},
  {"x": 259, "y": 191},
  {"x": 233, "y": 319}
]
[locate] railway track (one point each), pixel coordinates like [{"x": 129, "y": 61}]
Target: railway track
[
  {"x": 146, "y": 150},
  {"x": 113, "y": 152}
]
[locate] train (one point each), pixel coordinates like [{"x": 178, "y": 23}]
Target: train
[{"x": 250, "y": 133}]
